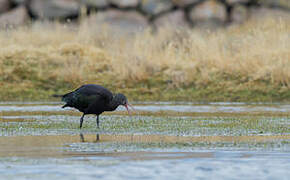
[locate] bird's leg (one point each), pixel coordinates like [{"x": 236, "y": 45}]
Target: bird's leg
[
  {"x": 82, "y": 137},
  {"x": 81, "y": 120},
  {"x": 98, "y": 122}
]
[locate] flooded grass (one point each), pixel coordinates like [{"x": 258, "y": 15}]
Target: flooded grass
[
  {"x": 93, "y": 144},
  {"x": 165, "y": 125},
  {"x": 14, "y": 119},
  {"x": 45, "y": 136}
]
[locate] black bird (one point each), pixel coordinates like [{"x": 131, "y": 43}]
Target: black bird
[{"x": 94, "y": 99}]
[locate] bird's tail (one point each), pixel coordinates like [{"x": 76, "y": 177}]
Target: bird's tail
[
  {"x": 66, "y": 105},
  {"x": 57, "y": 95}
]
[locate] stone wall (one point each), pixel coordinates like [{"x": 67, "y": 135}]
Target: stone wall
[{"x": 141, "y": 12}]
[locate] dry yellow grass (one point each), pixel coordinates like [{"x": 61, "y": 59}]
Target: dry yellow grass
[{"x": 45, "y": 59}]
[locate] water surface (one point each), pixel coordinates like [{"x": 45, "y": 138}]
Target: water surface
[{"x": 42, "y": 141}]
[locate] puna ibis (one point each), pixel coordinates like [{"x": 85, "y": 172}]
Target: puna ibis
[{"x": 94, "y": 99}]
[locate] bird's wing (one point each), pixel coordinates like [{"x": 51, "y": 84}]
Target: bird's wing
[
  {"x": 85, "y": 95},
  {"x": 92, "y": 90}
]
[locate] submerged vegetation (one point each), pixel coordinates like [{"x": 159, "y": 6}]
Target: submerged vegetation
[
  {"x": 146, "y": 130},
  {"x": 164, "y": 125},
  {"x": 125, "y": 133},
  {"x": 249, "y": 62}
]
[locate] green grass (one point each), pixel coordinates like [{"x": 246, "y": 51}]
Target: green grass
[
  {"x": 205, "y": 126},
  {"x": 281, "y": 145},
  {"x": 158, "y": 92},
  {"x": 204, "y": 145},
  {"x": 212, "y": 131}
]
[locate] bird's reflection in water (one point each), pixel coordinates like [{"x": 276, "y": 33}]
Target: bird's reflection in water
[{"x": 82, "y": 138}]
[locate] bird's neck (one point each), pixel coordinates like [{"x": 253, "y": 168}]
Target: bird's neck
[{"x": 113, "y": 104}]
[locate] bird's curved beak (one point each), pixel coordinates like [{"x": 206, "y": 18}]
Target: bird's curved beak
[{"x": 127, "y": 107}]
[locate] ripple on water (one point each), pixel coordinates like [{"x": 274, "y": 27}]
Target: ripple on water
[
  {"x": 132, "y": 156},
  {"x": 209, "y": 108}
]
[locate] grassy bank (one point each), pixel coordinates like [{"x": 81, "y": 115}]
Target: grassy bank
[{"x": 250, "y": 62}]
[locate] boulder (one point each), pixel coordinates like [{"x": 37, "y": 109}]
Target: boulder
[
  {"x": 54, "y": 9},
  {"x": 183, "y": 3},
  {"x": 120, "y": 20},
  {"x": 208, "y": 10},
  {"x": 239, "y": 14},
  {"x": 260, "y": 13},
  {"x": 155, "y": 6},
  {"x": 18, "y": 2},
  {"x": 94, "y": 3},
  {"x": 174, "y": 19},
  {"x": 15, "y": 17},
  {"x": 4, "y": 6},
  {"x": 236, "y": 1},
  {"x": 125, "y": 2}
]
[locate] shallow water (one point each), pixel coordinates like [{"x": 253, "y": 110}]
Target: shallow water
[
  {"x": 86, "y": 144},
  {"x": 81, "y": 157},
  {"x": 165, "y": 106},
  {"x": 196, "y": 165},
  {"x": 51, "y": 146},
  {"x": 84, "y": 157}
]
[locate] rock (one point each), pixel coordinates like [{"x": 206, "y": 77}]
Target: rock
[
  {"x": 174, "y": 19},
  {"x": 239, "y": 14},
  {"x": 18, "y": 1},
  {"x": 155, "y": 6},
  {"x": 54, "y": 9},
  {"x": 15, "y": 17},
  {"x": 260, "y": 13},
  {"x": 98, "y": 3},
  {"x": 208, "y": 10},
  {"x": 183, "y": 3},
  {"x": 125, "y": 2},
  {"x": 4, "y": 6},
  {"x": 119, "y": 20},
  {"x": 236, "y": 1}
]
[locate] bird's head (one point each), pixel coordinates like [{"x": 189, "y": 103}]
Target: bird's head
[{"x": 122, "y": 100}]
